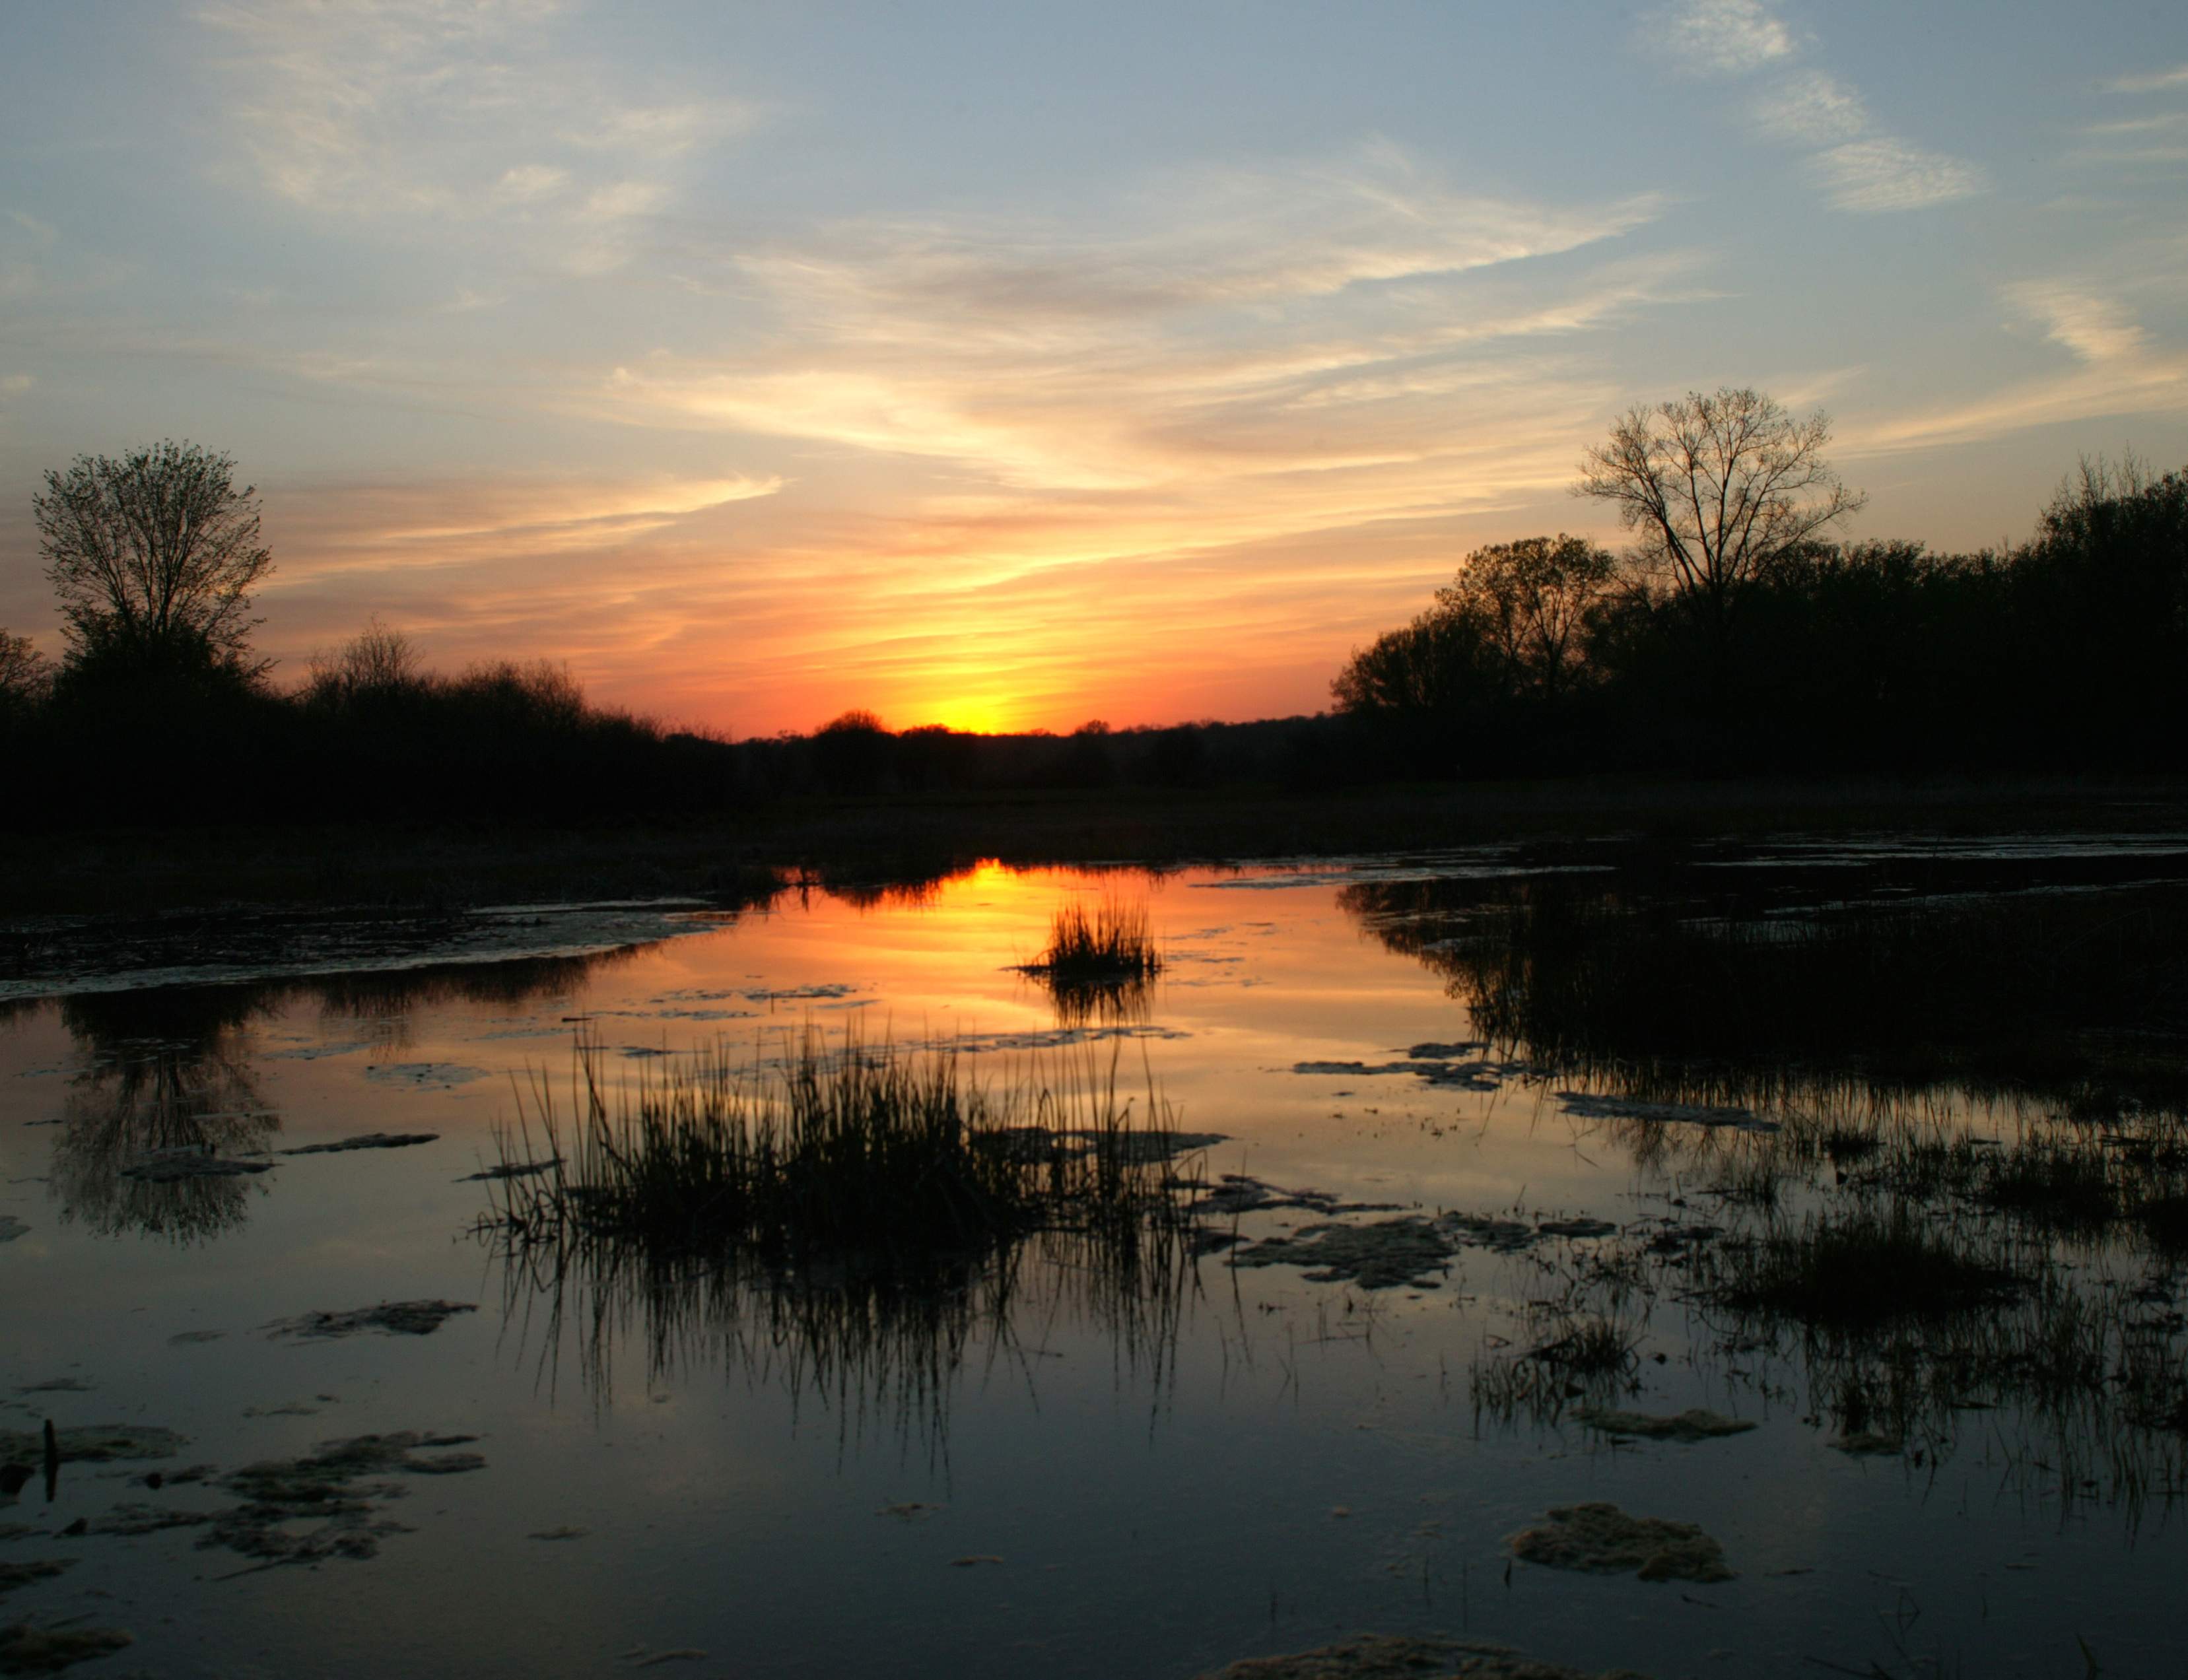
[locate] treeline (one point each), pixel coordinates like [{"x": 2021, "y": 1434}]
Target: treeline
[
  {"x": 1733, "y": 637},
  {"x": 193, "y": 743},
  {"x": 365, "y": 738},
  {"x": 2066, "y": 652}
]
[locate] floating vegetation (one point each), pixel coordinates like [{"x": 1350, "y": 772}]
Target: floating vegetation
[
  {"x": 1389, "y": 1656},
  {"x": 389, "y": 1318},
  {"x": 847, "y": 1214},
  {"x": 370, "y": 1140},
  {"x": 1601, "y": 1539},
  {"x": 90, "y": 1444},
  {"x": 24, "y": 1649},
  {"x": 1695, "y": 1424}
]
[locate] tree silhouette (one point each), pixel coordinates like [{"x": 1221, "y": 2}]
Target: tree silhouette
[
  {"x": 1532, "y": 599},
  {"x": 1718, "y": 491},
  {"x": 153, "y": 556}
]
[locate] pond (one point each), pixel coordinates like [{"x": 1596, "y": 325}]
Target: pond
[{"x": 1488, "y": 1165}]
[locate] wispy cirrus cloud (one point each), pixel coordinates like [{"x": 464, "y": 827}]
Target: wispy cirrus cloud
[
  {"x": 1721, "y": 37},
  {"x": 1260, "y": 396},
  {"x": 1857, "y": 163},
  {"x": 2118, "y": 369},
  {"x": 2153, "y": 81},
  {"x": 2158, "y": 139},
  {"x": 1191, "y": 340},
  {"x": 452, "y": 522},
  {"x": 453, "y": 112}
]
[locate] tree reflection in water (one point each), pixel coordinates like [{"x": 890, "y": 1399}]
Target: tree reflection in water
[
  {"x": 852, "y": 1224},
  {"x": 163, "y": 1070},
  {"x": 172, "y": 1068}
]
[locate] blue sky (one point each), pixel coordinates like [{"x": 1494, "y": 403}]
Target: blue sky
[{"x": 1013, "y": 365}]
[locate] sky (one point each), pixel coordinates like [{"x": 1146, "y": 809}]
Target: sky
[{"x": 1009, "y": 366}]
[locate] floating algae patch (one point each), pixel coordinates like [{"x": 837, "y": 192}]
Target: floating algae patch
[
  {"x": 1465, "y": 1075},
  {"x": 370, "y": 1140},
  {"x": 390, "y": 1318},
  {"x": 327, "y": 1488},
  {"x": 1384, "y": 1656},
  {"x": 13, "y": 1576},
  {"x": 1387, "y": 1254},
  {"x": 1696, "y": 1424},
  {"x": 177, "y": 1166},
  {"x": 24, "y": 1649},
  {"x": 1235, "y": 1193},
  {"x": 1593, "y": 1106},
  {"x": 91, "y": 1444},
  {"x": 512, "y": 1169},
  {"x": 423, "y": 1075},
  {"x": 1132, "y": 1148},
  {"x": 134, "y": 1519},
  {"x": 1601, "y": 1539}
]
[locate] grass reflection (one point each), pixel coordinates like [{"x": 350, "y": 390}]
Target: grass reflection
[
  {"x": 1927, "y": 1159},
  {"x": 856, "y": 1221}
]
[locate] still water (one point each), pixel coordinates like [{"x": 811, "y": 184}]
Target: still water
[{"x": 1278, "y": 1462}]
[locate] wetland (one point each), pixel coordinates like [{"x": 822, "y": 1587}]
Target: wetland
[{"x": 1726, "y": 1257}]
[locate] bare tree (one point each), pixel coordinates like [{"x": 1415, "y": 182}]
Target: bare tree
[
  {"x": 154, "y": 553},
  {"x": 1532, "y": 599},
  {"x": 1717, "y": 490},
  {"x": 25, "y": 674},
  {"x": 376, "y": 661}
]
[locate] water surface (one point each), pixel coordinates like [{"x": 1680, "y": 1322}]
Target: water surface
[{"x": 1267, "y": 1462}]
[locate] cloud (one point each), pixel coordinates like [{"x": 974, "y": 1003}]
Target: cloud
[
  {"x": 1720, "y": 37},
  {"x": 1268, "y": 398},
  {"x": 1883, "y": 173},
  {"x": 1241, "y": 323},
  {"x": 2095, "y": 328},
  {"x": 1810, "y": 108},
  {"x": 381, "y": 527},
  {"x": 2119, "y": 372},
  {"x": 2160, "y": 138},
  {"x": 2153, "y": 81},
  {"x": 460, "y": 113},
  {"x": 1860, "y": 166}
]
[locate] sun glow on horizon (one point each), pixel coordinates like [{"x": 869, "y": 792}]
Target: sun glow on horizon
[{"x": 708, "y": 358}]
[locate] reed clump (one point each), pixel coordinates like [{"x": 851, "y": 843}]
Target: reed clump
[
  {"x": 1856, "y": 1266},
  {"x": 1106, "y": 944},
  {"x": 848, "y": 1218},
  {"x": 829, "y": 1150}
]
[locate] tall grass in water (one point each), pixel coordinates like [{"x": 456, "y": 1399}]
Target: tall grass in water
[
  {"x": 1099, "y": 961},
  {"x": 1111, "y": 941},
  {"x": 845, "y": 1215}
]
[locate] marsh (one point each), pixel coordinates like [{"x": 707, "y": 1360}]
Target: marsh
[{"x": 1631, "y": 1113}]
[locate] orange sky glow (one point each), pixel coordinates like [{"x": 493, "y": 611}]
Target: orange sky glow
[{"x": 1010, "y": 373}]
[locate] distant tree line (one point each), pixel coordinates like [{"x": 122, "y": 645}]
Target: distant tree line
[
  {"x": 160, "y": 712},
  {"x": 1736, "y": 636}
]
